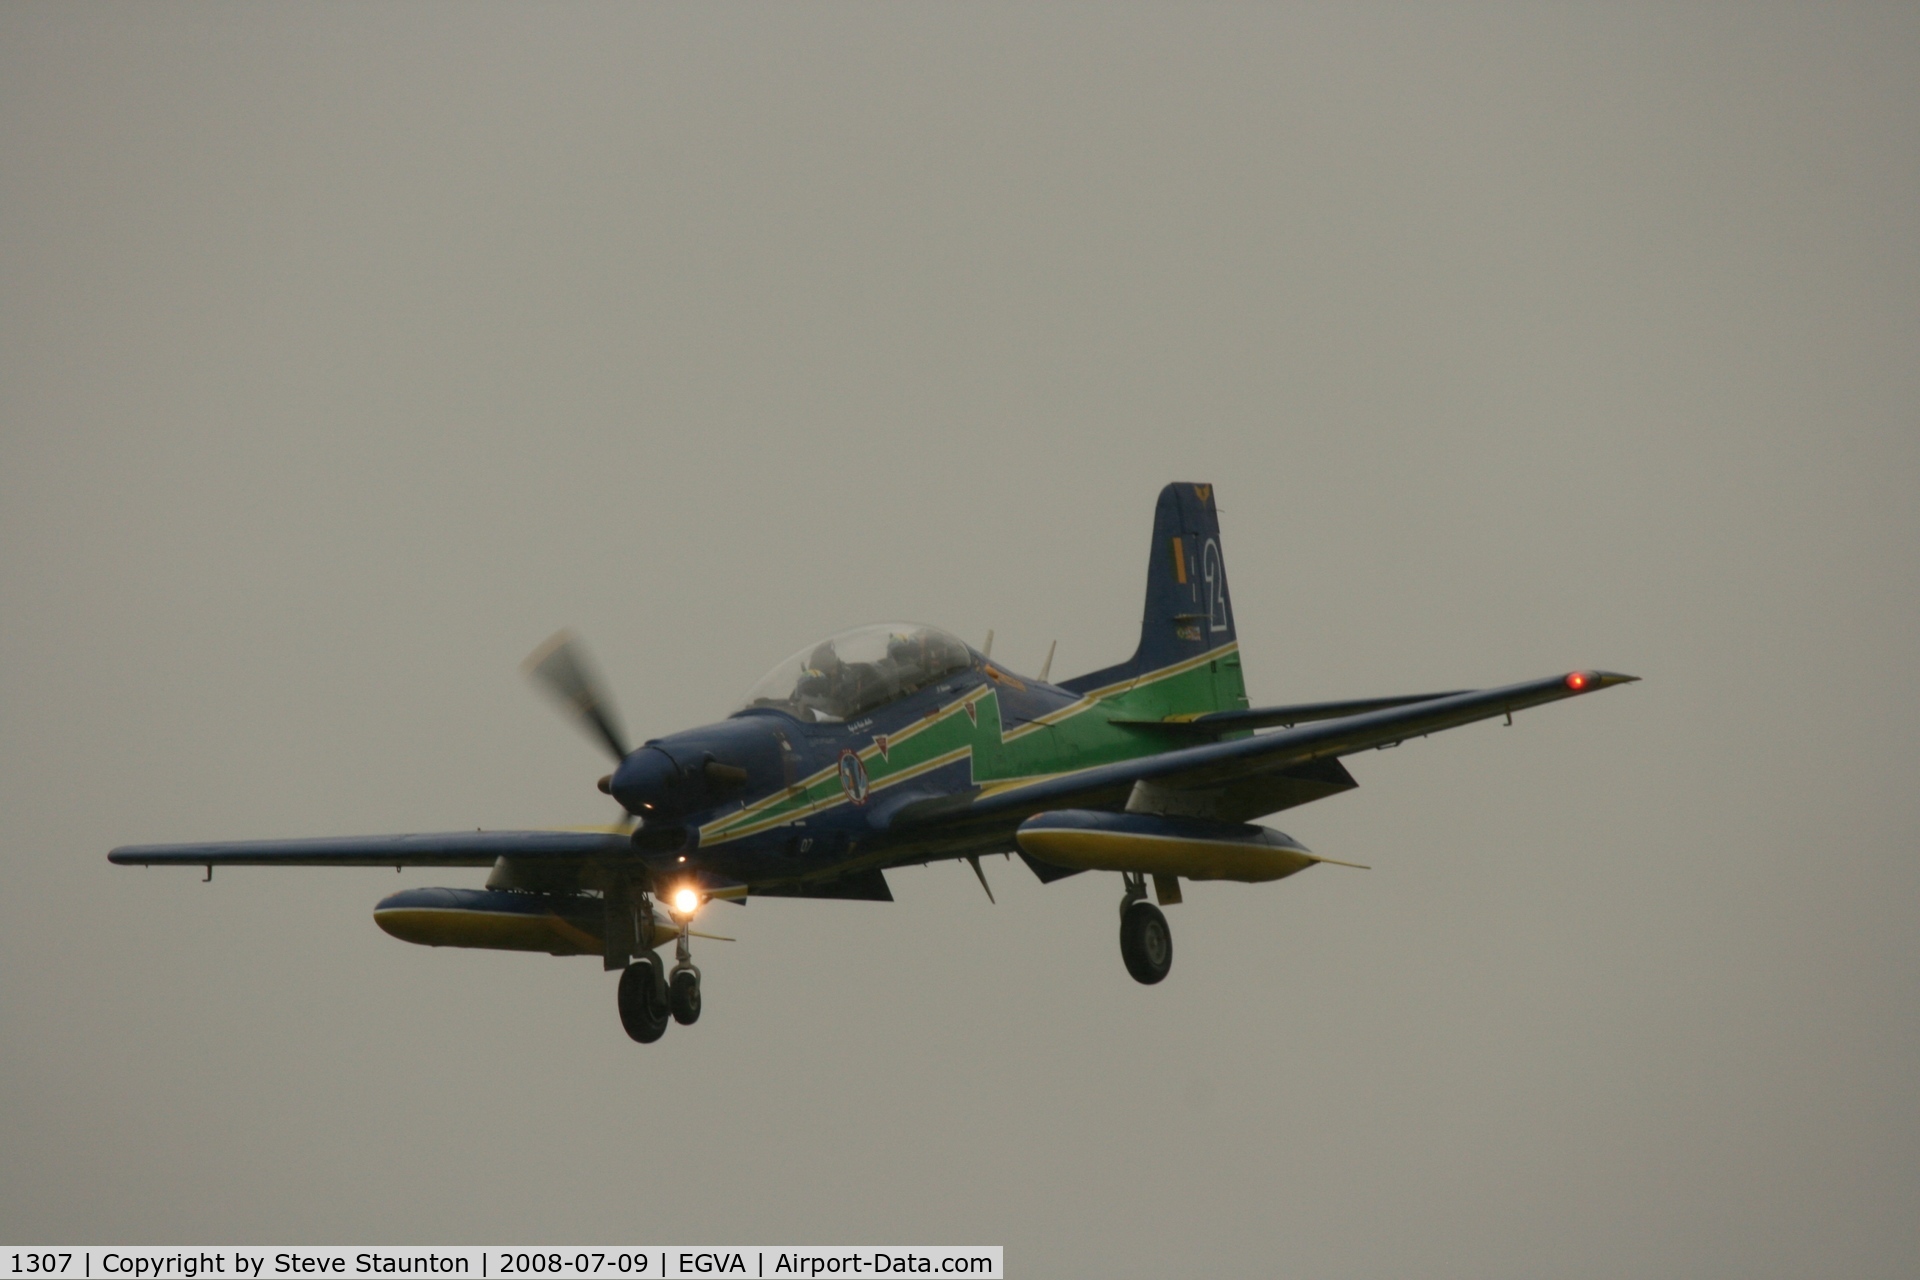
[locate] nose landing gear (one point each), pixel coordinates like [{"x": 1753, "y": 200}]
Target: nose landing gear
[
  {"x": 1146, "y": 943},
  {"x": 683, "y": 985},
  {"x": 650, "y": 996}
]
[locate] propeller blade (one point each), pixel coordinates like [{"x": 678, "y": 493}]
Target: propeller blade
[{"x": 562, "y": 668}]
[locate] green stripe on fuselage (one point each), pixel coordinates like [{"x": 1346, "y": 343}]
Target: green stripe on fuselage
[{"x": 1078, "y": 735}]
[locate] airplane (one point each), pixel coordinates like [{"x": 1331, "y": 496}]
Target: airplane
[{"x": 897, "y": 744}]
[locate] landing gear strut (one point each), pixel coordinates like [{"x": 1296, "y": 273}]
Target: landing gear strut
[
  {"x": 683, "y": 985},
  {"x": 1146, "y": 944}
]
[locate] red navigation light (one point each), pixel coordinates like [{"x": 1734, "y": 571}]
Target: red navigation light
[{"x": 1577, "y": 681}]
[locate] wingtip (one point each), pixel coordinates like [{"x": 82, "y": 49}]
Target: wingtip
[{"x": 1588, "y": 680}]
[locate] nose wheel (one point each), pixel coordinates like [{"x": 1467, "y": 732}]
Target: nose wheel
[
  {"x": 683, "y": 984},
  {"x": 683, "y": 995},
  {"x": 1146, "y": 943},
  {"x": 651, "y": 996}
]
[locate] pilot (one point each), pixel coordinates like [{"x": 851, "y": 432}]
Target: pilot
[
  {"x": 821, "y": 684},
  {"x": 824, "y": 659},
  {"x": 949, "y": 654},
  {"x": 908, "y": 657},
  {"x": 855, "y": 686},
  {"x": 924, "y": 655}
]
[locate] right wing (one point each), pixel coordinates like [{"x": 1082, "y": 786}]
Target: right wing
[
  {"x": 1215, "y": 723},
  {"x": 449, "y": 849},
  {"x": 1241, "y": 778}
]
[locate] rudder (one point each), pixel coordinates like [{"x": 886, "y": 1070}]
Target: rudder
[{"x": 1189, "y": 612}]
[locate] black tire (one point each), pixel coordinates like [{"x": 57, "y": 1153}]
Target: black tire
[
  {"x": 643, "y": 1000},
  {"x": 683, "y": 996},
  {"x": 1146, "y": 944}
]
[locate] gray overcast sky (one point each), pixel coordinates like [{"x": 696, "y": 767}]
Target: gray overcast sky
[{"x": 345, "y": 352}]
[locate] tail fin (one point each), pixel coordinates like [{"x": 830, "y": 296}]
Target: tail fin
[{"x": 1189, "y": 614}]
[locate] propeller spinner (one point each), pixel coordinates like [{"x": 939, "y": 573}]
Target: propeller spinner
[{"x": 649, "y": 783}]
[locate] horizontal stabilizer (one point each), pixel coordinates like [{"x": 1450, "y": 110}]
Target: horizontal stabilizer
[{"x": 561, "y": 924}]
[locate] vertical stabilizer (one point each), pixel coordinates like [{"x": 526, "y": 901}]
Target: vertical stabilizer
[{"x": 1189, "y": 613}]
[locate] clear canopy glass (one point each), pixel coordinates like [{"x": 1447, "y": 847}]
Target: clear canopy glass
[{"x": 858, "y": 670}]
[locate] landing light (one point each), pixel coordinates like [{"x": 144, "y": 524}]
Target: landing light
[
  {"x": 686, "y": 902},
  {"x": 1577, "y": 681}
]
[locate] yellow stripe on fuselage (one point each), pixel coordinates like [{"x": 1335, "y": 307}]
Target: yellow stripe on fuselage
[
  {"x": 748, "y": 820},
  {"x": 1087, "y": 700}
]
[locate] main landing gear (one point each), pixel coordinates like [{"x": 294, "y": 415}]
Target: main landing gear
[
  {"x": 643, "y": 999},
  {"x": 649, "y": 997},
  {"x": 1146, "y": 943}
]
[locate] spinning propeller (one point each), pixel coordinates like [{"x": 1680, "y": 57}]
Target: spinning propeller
[
  {"x": 563, "y": 670},
  {"x": 662, "y": 785}
]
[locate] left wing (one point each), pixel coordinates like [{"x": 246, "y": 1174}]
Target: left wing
[
  {"x": 449, "y": 849},
  {"x": 1235, "y": 780}
]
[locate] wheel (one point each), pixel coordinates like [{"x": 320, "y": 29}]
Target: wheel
[
  {"x": 643, "y": 1000},
  {"x": 1146, "y": 944},
  {"x": 683, "y": 996}
]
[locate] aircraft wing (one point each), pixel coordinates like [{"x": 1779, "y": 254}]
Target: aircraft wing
[
  {"x": 448, "y": 849},
  {"x": 1227, "y": 779},
  {"x": 1214, "y": 723}
]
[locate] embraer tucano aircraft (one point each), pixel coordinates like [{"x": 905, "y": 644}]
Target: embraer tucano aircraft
[{"x": 896, "y": 744}]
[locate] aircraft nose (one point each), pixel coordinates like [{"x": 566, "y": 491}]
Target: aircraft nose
[{"x": 644, "y": 783}]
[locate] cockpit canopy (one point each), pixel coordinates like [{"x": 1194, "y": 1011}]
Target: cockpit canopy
[{"x": 858, "y": 670}]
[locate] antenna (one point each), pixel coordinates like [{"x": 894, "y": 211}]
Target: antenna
[
  {"x": 1048, "y": 664},
  {"x": 986, "y": 650}
]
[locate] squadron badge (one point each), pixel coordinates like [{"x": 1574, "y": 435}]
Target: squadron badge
[{"x": 853, "y": 777}]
